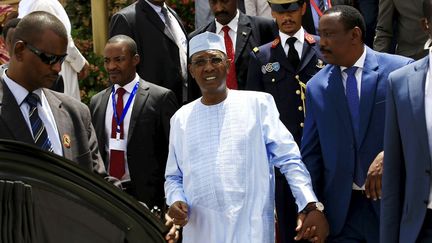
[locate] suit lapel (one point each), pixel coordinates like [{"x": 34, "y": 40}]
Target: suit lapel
[
  {"x": 416, "y": 91},
  {"x": 140, "y": 99},
  {"x": 307, "y": 55},
  {"x": 367, "y": 94},
  {"x": 336, "y": 93},
  {"x": 243, "y": 34},
  {"x": 100, "y": 125},
  {"x": 12, "y": 116},
  {"x": 62, "y": 118}
]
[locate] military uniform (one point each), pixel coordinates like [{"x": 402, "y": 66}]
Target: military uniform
[{"x": 271, "y": 72}]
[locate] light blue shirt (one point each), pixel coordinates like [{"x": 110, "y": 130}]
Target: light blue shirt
[{"x": 221, "y": 163}]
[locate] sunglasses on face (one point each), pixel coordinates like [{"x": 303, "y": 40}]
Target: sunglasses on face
[{"x": 46, "y": 58}]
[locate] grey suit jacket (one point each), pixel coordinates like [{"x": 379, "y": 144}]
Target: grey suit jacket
[
  {"x": 147, "y": 142},
  {"x": 410, "y": 38},
  {"x": 407, "y": 162},
  {"x": 73, "y": 123}
]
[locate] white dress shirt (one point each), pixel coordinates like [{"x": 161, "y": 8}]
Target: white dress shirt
[
  {"x": 44, "y": 112},
  {"x": 298, "y": 44},
  {"x": 109, "y": 114}
]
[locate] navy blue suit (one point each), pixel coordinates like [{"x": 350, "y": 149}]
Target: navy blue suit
[
  {"x": 288, "y": 92},
  {"x": 407, "y": 161},
  {"x": 329, "y": 147}
]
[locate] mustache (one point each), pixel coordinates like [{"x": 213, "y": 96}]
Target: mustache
[
  {"x": 289, "y": 21},
  {"x": 220, "y": 13},
  {"x": 325, "y": 49}
]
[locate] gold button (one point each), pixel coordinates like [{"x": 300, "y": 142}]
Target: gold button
[
  {"x": 273, "y": 80},
  {"x": 300, "y": 108},
  {"x": 302, "y": 124},
  {"x": 297, "y": 76},
  {"x": 298, "y": 92}
]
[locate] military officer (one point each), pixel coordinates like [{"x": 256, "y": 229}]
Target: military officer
[{"x": 282, "y": 68}]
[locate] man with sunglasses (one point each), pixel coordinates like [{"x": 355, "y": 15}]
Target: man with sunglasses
[
  {"x": 32, "y": 113},
  {"x": 222, "y": 151}
]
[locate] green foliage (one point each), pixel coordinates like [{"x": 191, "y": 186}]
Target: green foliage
[{"x": 79, "y": 13}]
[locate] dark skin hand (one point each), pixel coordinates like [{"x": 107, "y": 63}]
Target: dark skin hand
[
  {"x": 312, "y": 226},
  {"x": 178, "y": 212},
  {"x": 173, "y": 235},
  {"x": 373, "y": 181}
]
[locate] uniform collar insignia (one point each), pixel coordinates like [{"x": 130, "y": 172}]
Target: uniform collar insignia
[
  {"x": 309, "y": 38},
  {"x": 275, "y": 42}
]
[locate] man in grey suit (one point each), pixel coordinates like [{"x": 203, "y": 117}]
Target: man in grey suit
[
  {"x": 143, "y": 119},
  {"x": 398, "y": 24},
  {"x": 406, "y": 205},
  {"x": 33, "y": 114}
]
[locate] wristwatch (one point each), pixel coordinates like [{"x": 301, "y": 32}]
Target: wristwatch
[{"x": 313, "y": 206}]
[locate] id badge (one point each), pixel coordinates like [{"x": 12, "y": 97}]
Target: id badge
[{"x": 117, "y": 144}]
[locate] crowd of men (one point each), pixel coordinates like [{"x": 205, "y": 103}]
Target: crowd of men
[{"x": 194, "y": 126}]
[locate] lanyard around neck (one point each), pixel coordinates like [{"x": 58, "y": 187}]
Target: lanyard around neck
[{"x": 126, "y": 108}]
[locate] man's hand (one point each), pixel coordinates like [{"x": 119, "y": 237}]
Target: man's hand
[
  {"x": 173, "y": 235},
  {"x": 373, "y": 181},
  {"x": 312, "y": 226},
  {"x": 85, "y": 71},
  {"x": 178, "y": 212}
]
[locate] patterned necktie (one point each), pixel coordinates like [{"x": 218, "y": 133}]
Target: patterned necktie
[
  {"x": 293, "y": 56},
  {"x": 177, "y": 39},
  {"x": 231, "y": 80},
  {"x": 354, "y": 107},
  {"x": 117, "y": 159},
  {"x": 40, "y": 134},
  {"x": 321, "y": 5}
]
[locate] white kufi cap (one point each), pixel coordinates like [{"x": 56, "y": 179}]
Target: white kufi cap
[{"x": 206, "y": 41}]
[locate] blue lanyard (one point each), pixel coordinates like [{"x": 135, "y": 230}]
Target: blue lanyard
[{"x": 125, "y": 109}]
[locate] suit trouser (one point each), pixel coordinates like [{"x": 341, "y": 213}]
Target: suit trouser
[{"x": 362, "y": 223}]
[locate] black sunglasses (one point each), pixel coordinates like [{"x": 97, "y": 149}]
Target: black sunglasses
[{"x": 46, "y": 58}]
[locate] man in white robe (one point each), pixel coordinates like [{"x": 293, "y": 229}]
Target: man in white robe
[{"x": 222, "y": 151}]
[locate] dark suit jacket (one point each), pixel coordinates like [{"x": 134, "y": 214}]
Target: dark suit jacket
[
  {"x": 329, "y": 148},
  {"x": 404, "y": 17},
  {"x": 308, "y": 21},
  {"x": 72, "y": 118},
  {"x": 252, "y": 31},
  {"x": 147, "y": 142},
  {"x": 407, "y": 161},
  {"x": 282, "y": 83},
  {"x": 159, "y": 54}
]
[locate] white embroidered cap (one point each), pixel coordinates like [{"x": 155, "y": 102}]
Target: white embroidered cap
[{"x": 206, "y": 41}]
